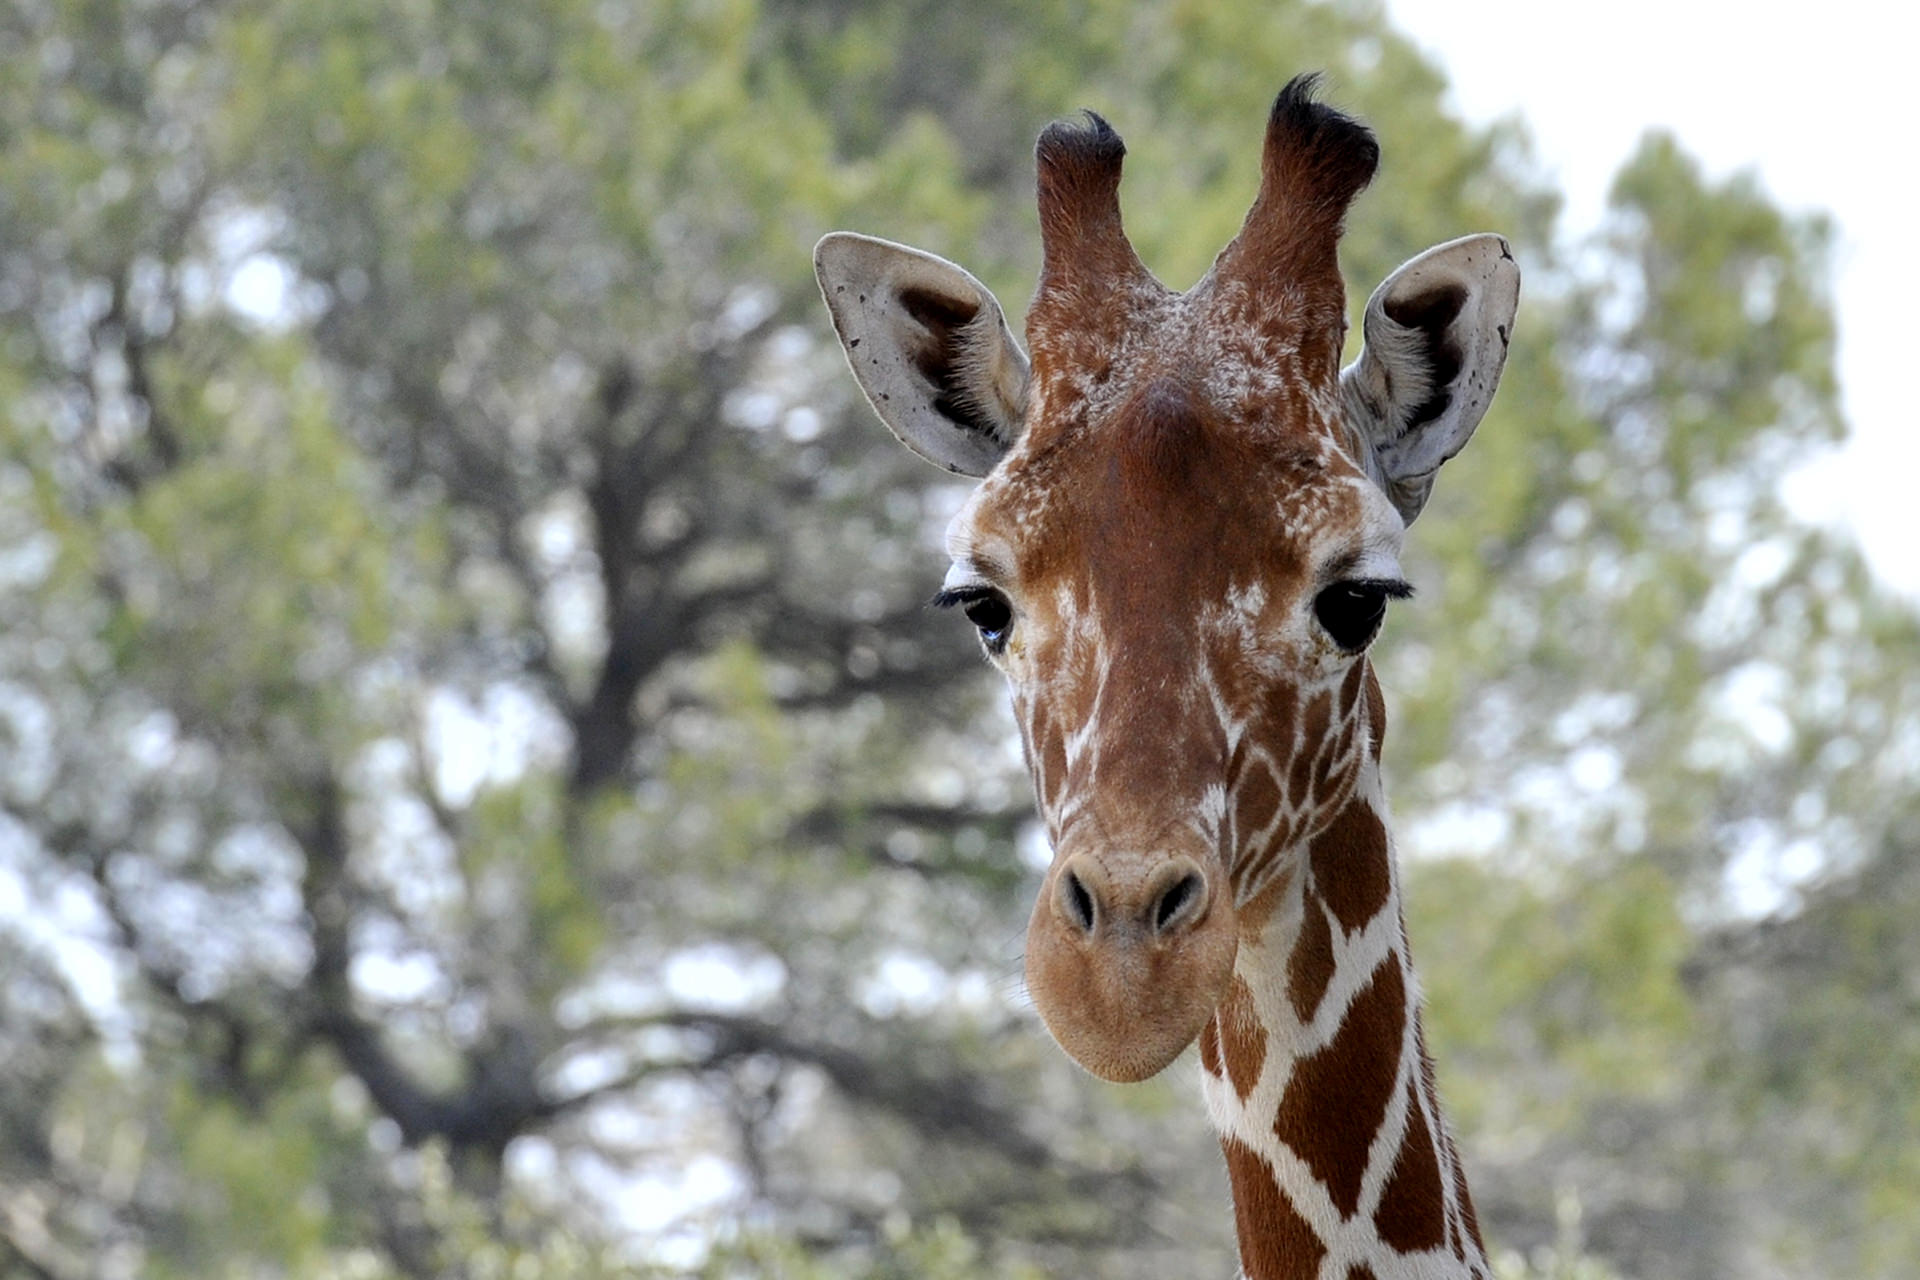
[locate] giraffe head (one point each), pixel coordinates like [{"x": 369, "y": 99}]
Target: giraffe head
[{"x": 1188, "y": 530}]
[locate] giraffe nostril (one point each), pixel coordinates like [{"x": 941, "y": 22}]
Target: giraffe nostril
[
  {"x": 1078, "y": 900},
  {"x": 1176, "y": 903}
]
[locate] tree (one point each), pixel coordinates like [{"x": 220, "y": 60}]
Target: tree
[{"x": 417, "y": 650}]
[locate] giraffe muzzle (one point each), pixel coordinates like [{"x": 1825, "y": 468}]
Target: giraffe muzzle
[{"x": 1128, "y": 955}]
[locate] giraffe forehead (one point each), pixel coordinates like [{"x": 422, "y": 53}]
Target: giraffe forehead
[
  {"x": 1176, "y": 511},
  {"x": 1218, "y": 407},
  {"x": 1265, "y": 359}
]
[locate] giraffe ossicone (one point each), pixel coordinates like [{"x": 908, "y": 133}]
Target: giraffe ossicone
[{"x": 1185, "y": 538}]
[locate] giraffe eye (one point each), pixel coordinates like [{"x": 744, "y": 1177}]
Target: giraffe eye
[
  {"x": 1352, "y": 611},
  {"x": 986, "y": 609}
]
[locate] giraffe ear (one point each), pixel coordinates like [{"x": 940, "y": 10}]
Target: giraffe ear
[
  {"x": 1436, "y": 339},
  {"x": 930, "y": 346}
]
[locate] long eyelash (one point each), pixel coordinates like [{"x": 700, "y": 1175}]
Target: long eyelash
[
  {"x": 1392, "y": 588},
  {"x": 954, "y": 597}
]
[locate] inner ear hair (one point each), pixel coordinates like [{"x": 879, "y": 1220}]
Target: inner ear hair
[
  {"x": 952, "y": 359},
  {"x": 958, "y": 359},
  {"x": 1426, "y": 321}
]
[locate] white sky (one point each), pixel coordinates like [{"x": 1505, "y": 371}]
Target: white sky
[{"x": 1819, "y": 98}]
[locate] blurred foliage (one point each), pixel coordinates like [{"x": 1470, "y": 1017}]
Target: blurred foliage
[{"x": 483, "y": 797}]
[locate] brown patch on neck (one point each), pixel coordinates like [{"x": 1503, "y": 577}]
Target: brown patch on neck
[
  {"x": 1350, "y": 869},
  {"x": 1242, "y": 1040},
  {"x": 1310, "y": 967},
  {"x": 1276, "y": 1243},
  {"x": 1338, "y": 1095},
  {"x": 1413, "y": 1208}
]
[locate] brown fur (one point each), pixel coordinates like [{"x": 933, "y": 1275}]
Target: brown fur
[
  {"x": 1210, "y": 1048},
  {"x": 1349, "y": 861},
  {"x": 1314, "y": 726},
  {"x": 1335, "y": 1101},
  {"x": 1085, "y": 255},
  {"x": 1310, "y": 967},
  {"x": 1243, "y": 1041},
  {"x": 1049, "y": 759},
  {"x": 1259, "y": 800},
  {"x": 1275, "y": 1241},
  {"x": 1078, "y": 166},
  {"x": 1413, "y": 1208},
  {"x": 1316, "y": 160},
  {"x": 1352, "y": 689}
]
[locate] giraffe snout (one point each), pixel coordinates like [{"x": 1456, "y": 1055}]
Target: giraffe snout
[
  {"x": 1173, "y": 896},
  {"x": 1128, "y": 956}
]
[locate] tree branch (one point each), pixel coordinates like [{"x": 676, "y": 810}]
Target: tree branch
[
  {"x": 501, "y": 1096},
  {"x": 951, "y": 1106},
  {"x": 863, "y": 829}
]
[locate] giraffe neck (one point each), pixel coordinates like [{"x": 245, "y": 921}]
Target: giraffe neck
[{"x": 1317, "y": 1079}]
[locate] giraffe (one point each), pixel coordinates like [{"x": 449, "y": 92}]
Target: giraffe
[{"x": 1183, "y": 543}]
